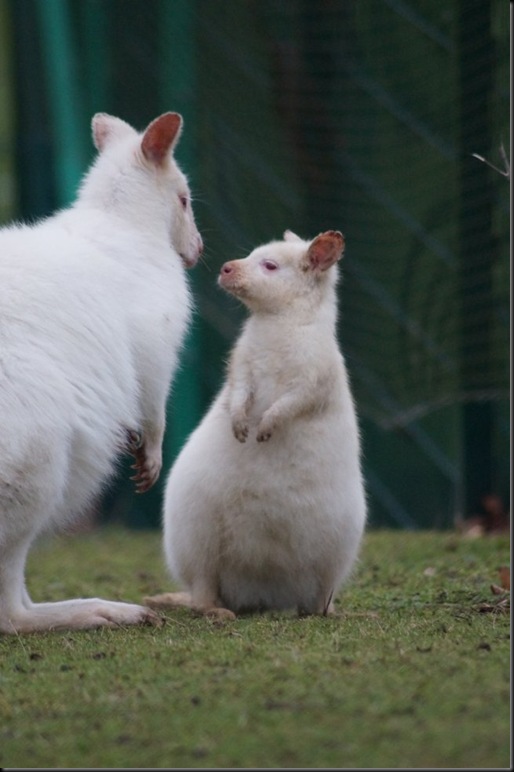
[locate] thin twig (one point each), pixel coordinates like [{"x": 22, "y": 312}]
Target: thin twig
[{"x": 505, "y": 172}]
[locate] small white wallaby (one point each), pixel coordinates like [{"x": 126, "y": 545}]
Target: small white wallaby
[
  {"x": 94, "y": 306},
  {"x": 265, "y": 505}
]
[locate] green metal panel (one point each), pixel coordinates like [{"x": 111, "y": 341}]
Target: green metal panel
[
  {"x": 356, "y": 115},
  {"x": 478, "y": 250},
  {"x": 66, "y": 103},
  {"x": 7, "y": 165},
  {"x": 95, "y": 52},
  {"x": 178, "y": 93}
]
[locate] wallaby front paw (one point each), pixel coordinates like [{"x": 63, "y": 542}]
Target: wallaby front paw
[
  {"x": 148, "y": 466},
  {"x": 134, "y": 439},
  {"x": 264, "y": 430},
  {"x": 240, "y": 430}
]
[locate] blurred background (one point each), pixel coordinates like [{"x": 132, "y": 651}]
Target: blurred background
[{"x": 357, "y": 115}]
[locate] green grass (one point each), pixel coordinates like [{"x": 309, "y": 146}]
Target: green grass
[{"x": 409, "y": 673}]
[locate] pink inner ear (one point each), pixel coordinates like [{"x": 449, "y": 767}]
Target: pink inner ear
[
  {"x": 160, "y": 136},
  {"x": 108, "y": 127},
  {"x": 100, "y": 132},
  {"x": 325, "y": 250}
]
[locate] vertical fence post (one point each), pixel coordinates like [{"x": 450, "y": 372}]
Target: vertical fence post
[
  {"x": 476, "y": 249},
  {"x": 178, "y": 93},
  {"x": 64, "y": 95},
  {"x": 96, "y": 54}
]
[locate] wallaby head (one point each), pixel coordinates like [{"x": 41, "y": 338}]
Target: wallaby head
[
  {"x": 283, "y": 274},
  {"x": 136, "y": 177}
]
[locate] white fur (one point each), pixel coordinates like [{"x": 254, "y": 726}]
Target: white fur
[
  {"x": 265, "y": 505},
  {"x": 94, "y": 306}
]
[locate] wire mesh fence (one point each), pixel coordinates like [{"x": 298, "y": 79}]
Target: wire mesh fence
[{"x": 362, "y": 116}]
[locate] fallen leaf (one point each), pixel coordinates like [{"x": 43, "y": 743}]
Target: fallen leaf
[
  {"x": 501, "y": 606},
  {"x": 504, "y": 572}
]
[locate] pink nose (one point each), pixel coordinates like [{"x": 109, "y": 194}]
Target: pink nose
[{"x": 227, "y": 268}]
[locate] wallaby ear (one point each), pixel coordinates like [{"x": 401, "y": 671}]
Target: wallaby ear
[
  {"x": 161, "y": 136},
  {"x": 325, "y": 250},
  {"x": 290, "y": 236},
  {"x": 106, "y": 128}
]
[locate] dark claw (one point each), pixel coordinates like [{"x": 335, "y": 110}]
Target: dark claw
[{"x": 135, "y": 439}]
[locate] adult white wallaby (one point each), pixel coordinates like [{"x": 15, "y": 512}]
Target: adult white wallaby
[
  {"x": 94, "y": 306},
  {"x": 265, "y": 505}
]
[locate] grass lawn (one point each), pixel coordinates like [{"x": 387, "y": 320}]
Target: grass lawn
[{"x": 413, "y": 671}]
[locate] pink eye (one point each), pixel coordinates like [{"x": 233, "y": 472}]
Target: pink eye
[
  {"x": 269, "y": 265},
  {"x": 183, "y": 201}
]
